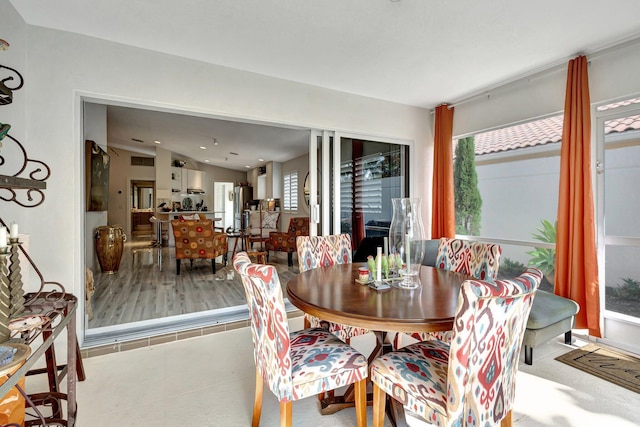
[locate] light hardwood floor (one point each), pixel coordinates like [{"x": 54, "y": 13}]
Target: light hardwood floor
[{"x": 145, "y": 288}]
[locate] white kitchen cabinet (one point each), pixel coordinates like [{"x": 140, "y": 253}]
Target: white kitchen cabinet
[{"x": 262, "y": 187}]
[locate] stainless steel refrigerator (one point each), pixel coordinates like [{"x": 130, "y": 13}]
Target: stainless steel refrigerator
[{"x": 242, "y": 195}]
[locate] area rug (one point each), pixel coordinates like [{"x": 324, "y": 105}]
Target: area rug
[{"x": 606, "y": 363}]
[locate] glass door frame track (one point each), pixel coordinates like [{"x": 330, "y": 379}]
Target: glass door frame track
[{"x": 598, "y": 126}]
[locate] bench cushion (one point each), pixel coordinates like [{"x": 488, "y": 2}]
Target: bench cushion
[{"x": 549, "y": 308}]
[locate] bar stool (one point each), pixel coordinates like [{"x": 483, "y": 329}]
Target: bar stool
[
  {"x": 155, "y": 221},
  {"x": 259, "y": 255},
  {"x": 158, "y": 243}
]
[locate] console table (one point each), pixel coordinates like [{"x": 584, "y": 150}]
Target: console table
[{"x": 46, "y": 407}]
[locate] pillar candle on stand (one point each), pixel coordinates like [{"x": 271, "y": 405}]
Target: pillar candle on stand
[
  {"x": 13, "y": 234},
  {"x": 379, "y": 265},
  {"x": 385, "y": 245}
]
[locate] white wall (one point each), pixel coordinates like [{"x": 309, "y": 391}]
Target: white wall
[
  {"x": 95, "y": 129},
  {"x": 61, "y": 67},
  {"x": 523, "y": 190},
  {"x": 121, "y": 173}
]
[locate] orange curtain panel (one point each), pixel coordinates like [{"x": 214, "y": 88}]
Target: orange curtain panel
[
  {"x": 443, "y": 215},
  {"x": 576, "y": 275}
]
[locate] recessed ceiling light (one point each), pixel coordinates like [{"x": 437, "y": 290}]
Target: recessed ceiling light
[
  {"x": 206, "y": 161},
  {"x": 215, "y": 141},
  {"x": 247, "y": 166},
  {"x": 261, "y": 160},
  {"x": 203, "y": 147},
  {"x": 157, "y": 142}
]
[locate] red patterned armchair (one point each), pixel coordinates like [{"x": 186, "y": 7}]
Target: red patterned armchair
[
  {"x": 286, "y": 242},
  {"x": 198, "y": 240}
]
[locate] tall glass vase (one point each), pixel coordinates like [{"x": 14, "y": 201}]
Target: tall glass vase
[{"x": 406, "y": 240}]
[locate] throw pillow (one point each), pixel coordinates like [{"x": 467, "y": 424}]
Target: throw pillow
[
  {"x": 190, "y": 217},
  {"x": 254, "y": 220},
  {"x": 270, "y": 219}
]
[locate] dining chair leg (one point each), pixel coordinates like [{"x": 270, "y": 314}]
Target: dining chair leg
[
  {"x": 379, "y": 400},
  {"x": 257, "y": 403},
  {"x": 213, "y": 265},
  {"x": 178, "y": 267},
  {"x": 285, "y": 414},
  {"x": 507, "y": 421},
  {"x": 361, "y": 402},
  {"x": 307, "y": 323}
]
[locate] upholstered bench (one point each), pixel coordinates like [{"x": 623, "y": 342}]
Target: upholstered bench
[{"x": 550, "y": 316}]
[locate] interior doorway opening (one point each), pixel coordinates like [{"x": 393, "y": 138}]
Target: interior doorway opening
[
  {"x": 141, "y": 194},
  {"x": 223, "y": 204}
]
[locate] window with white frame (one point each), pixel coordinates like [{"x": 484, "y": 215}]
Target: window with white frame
[
  {"x": 517, "y": 170},
  {"x": 290, "y": 193}
]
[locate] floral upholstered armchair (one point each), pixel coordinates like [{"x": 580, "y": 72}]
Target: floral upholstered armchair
[
  {"x": 286, "y": 242},
  {"x": 197, "y": 240}
]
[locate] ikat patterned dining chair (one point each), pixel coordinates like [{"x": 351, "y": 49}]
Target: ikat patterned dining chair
[
  {"x": 470, "y": 382},
  {"x": 480, "y": 260},
  {"x": 298, "y": 364},
  {"x": 324, "y": 251}
]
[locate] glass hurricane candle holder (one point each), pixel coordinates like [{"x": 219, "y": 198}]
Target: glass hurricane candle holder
[{"x": 406, "y": 240}]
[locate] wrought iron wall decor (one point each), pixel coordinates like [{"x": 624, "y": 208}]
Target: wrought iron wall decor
[
  {"x": 8, "y": 84},
  {"x": 22, "y": 179},
  {"x": 28, "y": 175}
]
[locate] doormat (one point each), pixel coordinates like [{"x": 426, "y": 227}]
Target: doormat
[{"x": 606, "y": 363}]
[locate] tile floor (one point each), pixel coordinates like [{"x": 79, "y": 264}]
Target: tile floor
[{"x": 209, "y": 381}]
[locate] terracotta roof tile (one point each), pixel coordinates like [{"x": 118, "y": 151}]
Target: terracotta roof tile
[
  {"x": 543, "y": 131},
  {"x": 618, "y": 104},
  {"x": 531, "y": 134}
]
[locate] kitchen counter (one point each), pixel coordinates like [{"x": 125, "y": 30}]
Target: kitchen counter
[{"x": 178, "y": 213}]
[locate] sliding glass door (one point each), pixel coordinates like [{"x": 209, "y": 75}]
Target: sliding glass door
[
  {"x": 618, "y": 172},
  {"x": 364, "y": 174}
]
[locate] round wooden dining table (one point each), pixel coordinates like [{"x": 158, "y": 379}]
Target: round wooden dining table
[{"x": 332, "y": 294}]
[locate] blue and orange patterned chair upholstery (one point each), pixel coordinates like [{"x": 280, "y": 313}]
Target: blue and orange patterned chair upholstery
[
  {"x": 470, "y": 382},
  {"x": 196, "y": 239},
  {"x": 286, "y": 242},
  {"x": 323, "y": 251},
  {"x": 298, "y": 364},
  {"x": 480, "y": 260}
]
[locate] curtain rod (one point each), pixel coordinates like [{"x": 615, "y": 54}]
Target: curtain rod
[{"x": 544, "y": 71}]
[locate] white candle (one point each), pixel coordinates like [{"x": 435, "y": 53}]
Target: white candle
[
  {"x": 379, "y": 265},
  {"x": 407, "y": 251},
  {"x": 14, "y": 231},
  {"x": 3, "y": 237},
  {"x": 385, "y": 245}
]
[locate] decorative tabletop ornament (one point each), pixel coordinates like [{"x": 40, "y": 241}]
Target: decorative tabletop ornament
[
  {"x": 371, "y": 263},
  {"x": 406, "y": 239},
  {"x": 385, "y": 266}
]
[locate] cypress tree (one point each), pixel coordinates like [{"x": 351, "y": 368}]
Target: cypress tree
[{"x": 468, "y": 202}]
